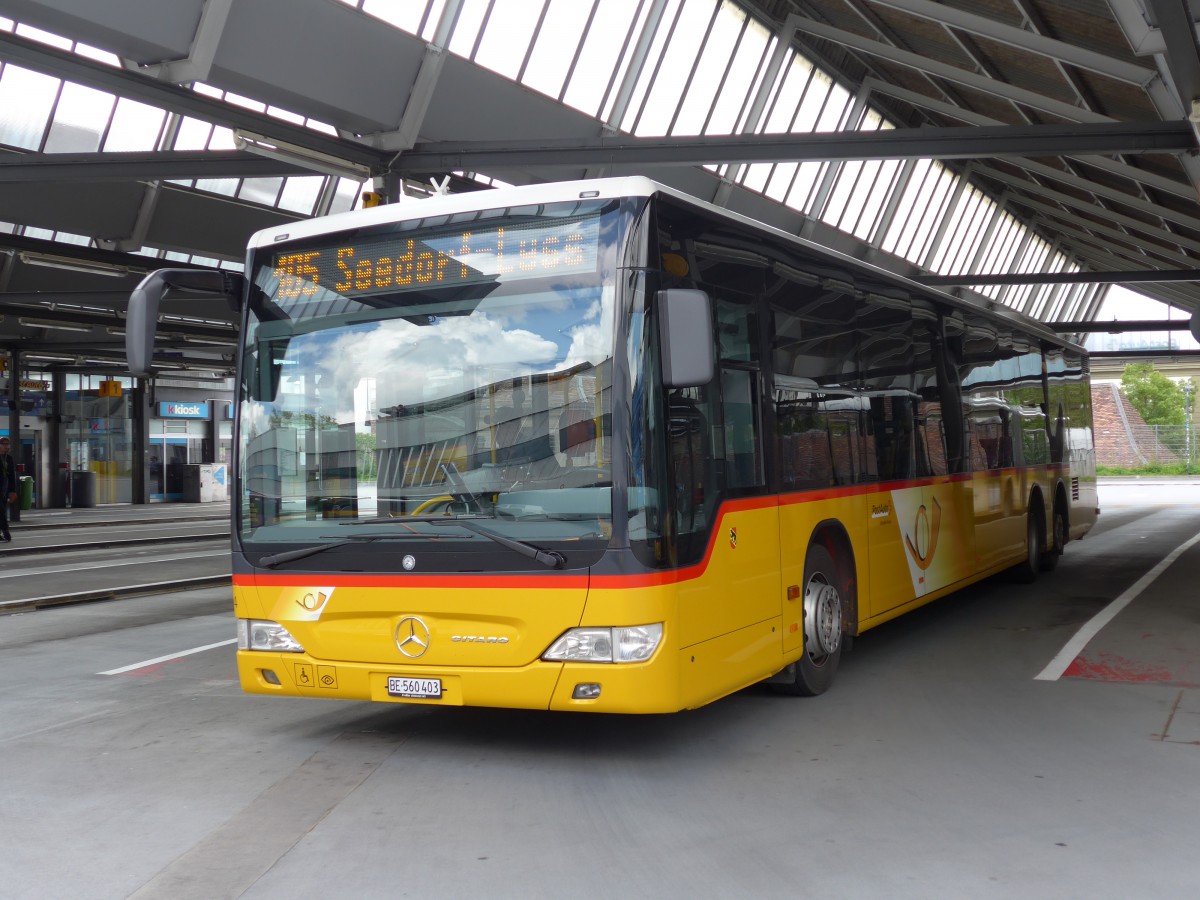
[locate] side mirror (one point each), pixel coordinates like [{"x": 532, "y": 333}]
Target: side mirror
[
  {"x": 141, "y": 316},
  {"x": 685, "y": 337}
]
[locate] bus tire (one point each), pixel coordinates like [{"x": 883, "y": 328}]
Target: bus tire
[
  {"x": 1058, "y": 538},
  {"x": 824, "y": 621},
  {"x": 1026, "y": 572}
]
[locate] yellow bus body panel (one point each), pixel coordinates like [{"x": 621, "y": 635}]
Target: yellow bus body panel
[{"x": 729, "y": 621}]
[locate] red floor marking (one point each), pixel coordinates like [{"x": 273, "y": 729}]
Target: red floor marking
[{"x": 1110, "y": 667}]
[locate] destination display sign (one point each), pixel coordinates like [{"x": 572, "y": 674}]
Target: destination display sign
[{"x": 390, "y": 263}]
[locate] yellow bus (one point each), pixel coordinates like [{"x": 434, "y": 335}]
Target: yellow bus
[{"x": 599, "y": 446}]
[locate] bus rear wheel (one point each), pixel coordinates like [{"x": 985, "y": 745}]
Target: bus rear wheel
[
  {"x": 1058, "y": 538},
  {"x": 1026, "y": 572},
  {"x": 824, "y": 615}
]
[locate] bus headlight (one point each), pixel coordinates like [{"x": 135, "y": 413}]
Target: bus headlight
[
  {"x": 635, "y": 643},
  {"x": 260, "y": 634}
]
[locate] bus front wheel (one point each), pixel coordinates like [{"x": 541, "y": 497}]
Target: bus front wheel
[{"x": 824, "y": 614}]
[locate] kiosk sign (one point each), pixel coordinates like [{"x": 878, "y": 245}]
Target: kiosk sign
[{"x": 176, "y": 410}]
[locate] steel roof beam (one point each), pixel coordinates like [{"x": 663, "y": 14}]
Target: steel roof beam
[
  {"x": 1119, "y": 327},
  {"x": 965, "y": 142},
  {"x": 1175, "y": 22},
  {"x": 920, "y": 63},
  {"x": 151, "y": 165},
  {"x": 134, "y": 86},
  {"x": 1149, "y": 179},
  {"x": 1013, "y": 36},
  {"x": 1119, "y": 277}
]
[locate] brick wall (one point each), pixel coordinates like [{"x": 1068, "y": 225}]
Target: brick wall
[{"x": 1114, "y": 433}]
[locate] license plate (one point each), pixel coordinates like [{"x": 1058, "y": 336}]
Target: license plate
[{"x": 415, "y": 688}]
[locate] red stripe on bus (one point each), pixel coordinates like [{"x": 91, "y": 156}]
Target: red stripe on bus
[{"x": 554, "y": 581}]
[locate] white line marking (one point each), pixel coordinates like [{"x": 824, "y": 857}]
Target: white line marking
[
  {"x": 157, "y": 660},
  {"x": 134, "y": 561},
  {"x": 1092, "y": 627}
]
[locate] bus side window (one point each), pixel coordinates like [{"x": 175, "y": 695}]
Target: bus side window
[
  {"x": 933, "y": 437},
  {"x": 806, "y": 454},
  {"x": 892, "y": 421},
  {"x": 693, "y": 473},
  {"x": 743, "y": 450}
]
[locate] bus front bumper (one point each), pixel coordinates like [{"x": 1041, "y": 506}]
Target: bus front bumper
[{"x": 650, "y": 687}]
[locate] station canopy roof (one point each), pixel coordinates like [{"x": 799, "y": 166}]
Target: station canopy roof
[{"x": 1026, "y": 152}]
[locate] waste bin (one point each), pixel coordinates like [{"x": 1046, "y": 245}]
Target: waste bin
[
  {"x": 190, "y": 481},
  {"x": 83, "y": 489},
  {"x": 25, "y": 492}
]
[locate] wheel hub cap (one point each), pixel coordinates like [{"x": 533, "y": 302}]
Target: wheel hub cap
[{"x": 822, "y": 619}]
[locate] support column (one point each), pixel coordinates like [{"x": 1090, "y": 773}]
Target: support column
[
  {"x": 139, "y": 405},
  {"x": 14, "y": 423},
  {"x": 55, "y": 494}
]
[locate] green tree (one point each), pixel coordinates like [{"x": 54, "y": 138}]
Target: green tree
[
  {"x": 364, "y": 443},
  {"x": 1158, "y": 399}
]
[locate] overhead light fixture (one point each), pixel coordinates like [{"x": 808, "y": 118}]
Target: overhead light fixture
[
  {"x": 72, "y": 264},
  {"x": 51, "y": 323},
  {"x": 300, "y": 156}
]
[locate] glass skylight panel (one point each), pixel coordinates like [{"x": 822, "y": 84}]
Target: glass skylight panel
[
  {"x": 796, "y": 89},
  {"x": 805, "y": 181},
  {"x": 80, "y": 118},
  {"x": 261, "y": 190},
  {"x": 43, "y": 37},
  {"x": 645, "y": 77},
  {"x": 79, "y": 240},
  {"x": 507, "y": 35},
  {"x": 244, "y": 102},
  {"x": 556, "y": 45},
  {"x": 221, "y": 139},
  {"x": 671, "y": 72},
  {"x": 27, "y": 99},
  {"x": 605, "y": 46},
  {"x": 816, "y": 90},
  {"x": 322, "y": 127},
  {"x": 226, "y": 187},
  {"x": 285, "y": 115},
  {"x": 715, "y": 59},
  {"x": 406, "y": 15},
  {"x": 345, "y": 196},
  {"x": 208, "y": 90},
  {"x": 300, "y": 193},
  {"x": 135, "y": 126},
  {"x": 192, "y": 134},
  {"x": 97, "y": 55},
  {"x": 779, "y": 183},
  {"x": 870, "y": 187},
  {"x": 466, "y": 30},
  {"x": 749, "y": 60},
  {"x": 941, "y": 192}
]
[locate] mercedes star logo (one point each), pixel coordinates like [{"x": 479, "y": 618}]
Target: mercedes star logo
[{"x": 412, "y": 637}]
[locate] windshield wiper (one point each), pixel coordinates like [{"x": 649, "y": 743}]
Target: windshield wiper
[
  {"x": 549, "y": 558},
  {"x": 290, "y": 555}
]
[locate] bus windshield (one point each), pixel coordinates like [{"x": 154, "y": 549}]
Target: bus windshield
[{"x": 431, "y": 370}]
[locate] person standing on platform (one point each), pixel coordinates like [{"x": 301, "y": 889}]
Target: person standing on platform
[{"x": 8, "y": 486}]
